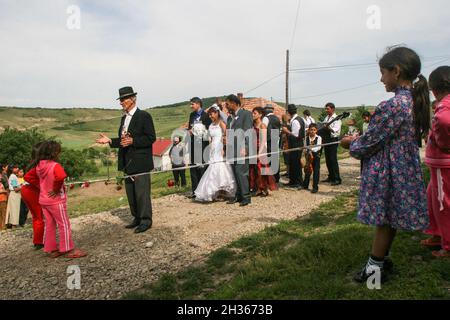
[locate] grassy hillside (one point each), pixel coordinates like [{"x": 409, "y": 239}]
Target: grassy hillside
[{"x": 78, "y": 128}]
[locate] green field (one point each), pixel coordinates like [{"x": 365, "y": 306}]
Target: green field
[{"x": 78, "y": 128}]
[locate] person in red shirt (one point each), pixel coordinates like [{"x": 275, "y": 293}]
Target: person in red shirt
[
  {"x": 53, "y": 199},
  {"x": 30, "y": 195}
]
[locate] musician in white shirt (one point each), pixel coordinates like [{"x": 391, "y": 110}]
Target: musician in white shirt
[
  {"x": 308, "y": 120},
  {"x": 331, "y": 151}
]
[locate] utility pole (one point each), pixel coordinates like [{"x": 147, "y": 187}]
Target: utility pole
[{"x": 287, "y": 78}]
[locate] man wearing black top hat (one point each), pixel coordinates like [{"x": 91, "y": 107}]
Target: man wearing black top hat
[
  {"x": 296, "y": 137},
  {"x": 135, "y": 140}
]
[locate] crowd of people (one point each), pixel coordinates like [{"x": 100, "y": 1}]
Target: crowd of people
[
  {"x": 270, "y": 138},
  {"x": 234, "y": 153},
  {"x": 40, "y": 191}
]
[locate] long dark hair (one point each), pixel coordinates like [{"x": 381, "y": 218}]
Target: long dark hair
[
  {"x": 440, "y": 80},
  {"x": 49, "y": 150},
  {"x": 35, "y": 155},
  {"x": 410, "y": 66}
]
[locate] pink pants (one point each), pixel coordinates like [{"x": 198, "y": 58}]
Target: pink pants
[
  {"x": 56, "y": 215},
  {"x": 438, "y": 195}
]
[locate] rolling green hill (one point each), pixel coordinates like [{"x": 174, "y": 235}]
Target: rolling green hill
[{"x": 78, "y": 128}]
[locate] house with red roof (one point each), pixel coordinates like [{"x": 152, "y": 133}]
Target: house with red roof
[{"x": 161, "y": 154}]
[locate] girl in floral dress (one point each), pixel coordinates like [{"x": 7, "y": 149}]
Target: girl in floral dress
[{"x": 392, "y": 192}]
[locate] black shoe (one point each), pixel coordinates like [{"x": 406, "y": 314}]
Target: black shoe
[
  {"x": 326, "y": 180},
  {"x": 388, "y": 265},
  {"x": 38, "y": 246},
  {"x": 363, "y": 276},
  {"x": 336, "y": 183},
  {"x": 244, "y": 203},
  {"x": 291, "y": 185},
  {"x": 304, "y": 188},
  {"x": 314, "y": 190},
  {"x": 142, "y": 228},
  {"x": 132, "y": 225},
  {"x": 234, "y": 200}
]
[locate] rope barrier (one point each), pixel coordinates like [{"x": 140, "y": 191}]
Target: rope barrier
[{"x": 229, "y": 161}]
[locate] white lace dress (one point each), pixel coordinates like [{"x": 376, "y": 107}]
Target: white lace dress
[{"x": 219, "y": 176}]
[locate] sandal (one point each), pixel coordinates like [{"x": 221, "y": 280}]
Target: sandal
[
  {"x": 441, "y": 254},
  {"x": 55, "y": 254},
  {"x": 75, "y": 254},
  {"x": 430, "y": 242}
]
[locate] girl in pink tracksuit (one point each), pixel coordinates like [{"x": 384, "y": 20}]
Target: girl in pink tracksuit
[
  {"x": 438, "y": 160},
  {"x": 53, "y": 200}
]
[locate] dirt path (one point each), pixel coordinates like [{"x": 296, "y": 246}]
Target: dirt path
[{"x": 120, "y": 261}]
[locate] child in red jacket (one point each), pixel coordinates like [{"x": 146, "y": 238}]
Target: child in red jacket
[
  {"x": 437, "y": 159},
  {"x": 53, "y": 199},
  {"x": 30, "y": 195}
]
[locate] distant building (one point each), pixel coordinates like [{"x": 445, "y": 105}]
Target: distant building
[
  {"x": 251, "y": 103},
  {"x": 161, "y": 154}
]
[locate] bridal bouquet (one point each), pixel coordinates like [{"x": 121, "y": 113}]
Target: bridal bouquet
[{"x": 199, "y": 131}]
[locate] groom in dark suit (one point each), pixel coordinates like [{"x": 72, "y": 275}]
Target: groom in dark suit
[
  {"x": 239, "y": 129},
  {"x": 197, "y": 145},
  {"x": 135, "y": 140}
]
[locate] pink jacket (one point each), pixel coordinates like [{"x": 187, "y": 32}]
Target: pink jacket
[
  {"x": 438, "y": 147},
  {"x": 51, "y": 178}
]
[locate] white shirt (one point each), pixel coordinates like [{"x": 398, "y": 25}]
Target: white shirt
[
  {"x": 308, "y": 121},
  {"x": 266, "y": 119},
  {"x": 129, "y": 116},
  {"x": 335, "y": 126},
  {"x": 295, "y": 126},
  {"x": 319, "y": 142}
]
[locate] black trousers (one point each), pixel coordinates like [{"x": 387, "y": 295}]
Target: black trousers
[
  {"x": 332, "y": 161},
  {"x": 241, "y": 174},
  {"x": 23, "y": 213},
  {"x": 295, "y": 170},
  {"x": 138, "y": 193},
  {"x": 315, "y": 173},
  {"x": 196, "y": 176},
  {"x": 179, "y": 174}
]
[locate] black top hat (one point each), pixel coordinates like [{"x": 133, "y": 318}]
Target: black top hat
[
  {"x": 292, "y": 108},
  {"x": 269, "y": 107},
  {"x": 126, "y": 92}
]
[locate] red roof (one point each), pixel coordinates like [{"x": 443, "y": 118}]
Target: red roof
[{"x": 160, "y": 147}]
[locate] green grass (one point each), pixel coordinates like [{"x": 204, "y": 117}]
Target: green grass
[
  {"x": 310, "y": 258},
  {"x": 97, "y": 204}
]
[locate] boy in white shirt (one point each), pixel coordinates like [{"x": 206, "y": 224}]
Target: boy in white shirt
[{"x": 313, "y": 158}]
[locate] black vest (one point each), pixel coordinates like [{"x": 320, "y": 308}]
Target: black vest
[
  {"x": 308, "y": 143},
  {"x": 274, "y": 124},
  {"x": 295, "y": 142}
]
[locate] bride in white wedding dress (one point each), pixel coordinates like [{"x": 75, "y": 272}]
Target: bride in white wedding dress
[{"x": 218, "y": 178}]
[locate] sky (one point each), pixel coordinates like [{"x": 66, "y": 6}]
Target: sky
[{"x": 171, "y": 51}]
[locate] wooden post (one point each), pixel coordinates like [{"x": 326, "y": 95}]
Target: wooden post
[{"x": 287, "y": 78}]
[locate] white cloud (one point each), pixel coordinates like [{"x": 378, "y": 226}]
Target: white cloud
[{"x": 173, "y": 50}]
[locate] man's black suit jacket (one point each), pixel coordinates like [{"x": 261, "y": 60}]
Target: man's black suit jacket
[
  {"x": 137, "y": 158},
  {"x": 206, "y": 120}
]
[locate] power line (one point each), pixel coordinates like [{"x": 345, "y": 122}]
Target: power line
[
  {"x": 353, "y": 66},
  {"x": 265, "y": 82},
  {"x": 343, "y": 67},
  {"x": 338, "y": 91},
  {"x": 362, "y": 86},
  {"x": 295, "y": 25}
]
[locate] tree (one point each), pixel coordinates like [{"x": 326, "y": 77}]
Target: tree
[
  {"x": 76, "y": 164},
  {"x": 16, "y": 146}
]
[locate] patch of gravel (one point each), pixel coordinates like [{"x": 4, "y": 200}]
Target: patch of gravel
[{"x": 120, "y": 261}]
